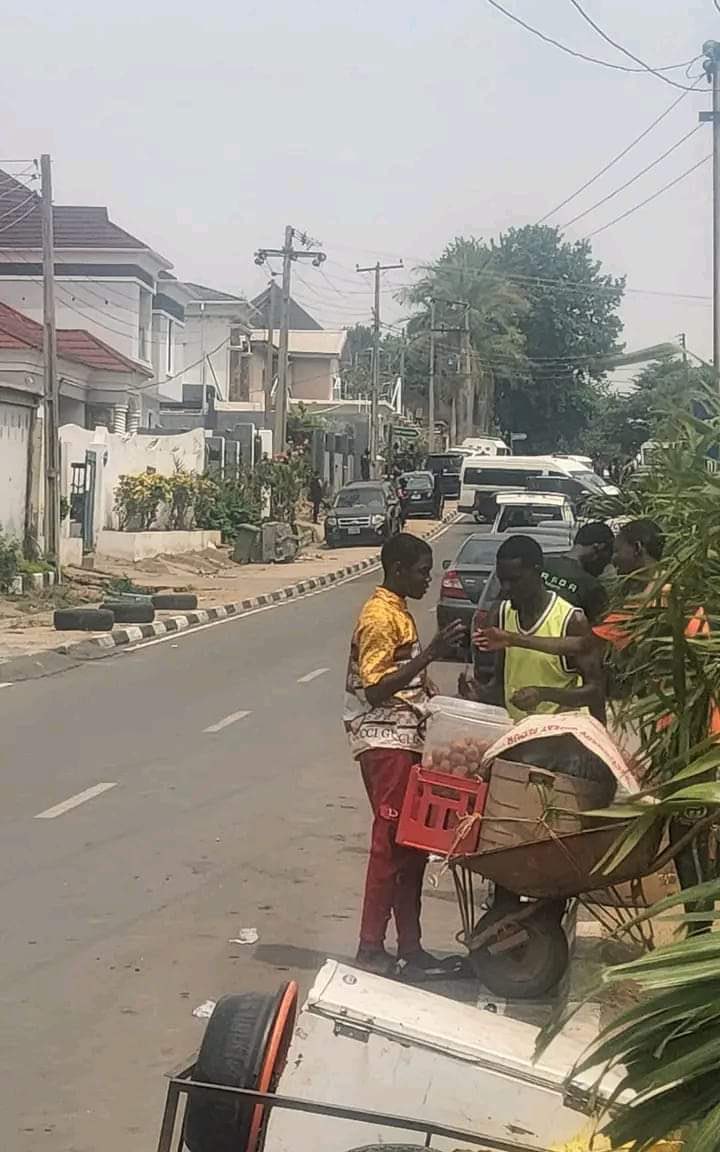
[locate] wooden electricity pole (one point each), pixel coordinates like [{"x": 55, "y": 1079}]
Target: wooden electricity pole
[
  {"x": 288, "y": 253},
  {"x": 375, "y": 386},
  {"x": 51, "y": 389},
  {"x": 431, "y": 381}
]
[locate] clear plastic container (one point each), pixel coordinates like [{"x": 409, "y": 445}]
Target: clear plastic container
[{"x": 459, "y": 732}]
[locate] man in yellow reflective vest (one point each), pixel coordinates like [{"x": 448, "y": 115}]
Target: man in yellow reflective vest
[{"x": 528, "y": 681}]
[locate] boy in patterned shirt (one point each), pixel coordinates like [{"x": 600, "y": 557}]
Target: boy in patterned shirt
[{"x": 386, "y": 694}]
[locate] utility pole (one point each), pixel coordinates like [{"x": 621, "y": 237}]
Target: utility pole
[
  {"x": 270, "y": 355},
  {"x": 711, "y": 64},
  {"x": 467, "y": 390},
  {"x": 288, "y": 254},
  {"x": 52, "y": 403},
  {"x": 403, "y": 351},
  {"x": 686, "y": 367},
  {"x": 431, "y": 381},
  {"x": 375, "y": 386}
]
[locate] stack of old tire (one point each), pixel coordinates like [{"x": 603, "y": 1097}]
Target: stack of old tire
[{"x": 122, "y": 608}]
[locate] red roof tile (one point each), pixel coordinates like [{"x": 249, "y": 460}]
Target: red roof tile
[{"x": 18, "y": 331}]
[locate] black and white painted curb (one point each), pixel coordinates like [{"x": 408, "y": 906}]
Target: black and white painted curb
[{"x": 136, "y": 633}]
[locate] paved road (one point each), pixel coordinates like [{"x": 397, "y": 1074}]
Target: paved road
[{"x": 153, "y": 804}]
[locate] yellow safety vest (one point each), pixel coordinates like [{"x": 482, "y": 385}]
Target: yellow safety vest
[{"x": 525, "y": 669}]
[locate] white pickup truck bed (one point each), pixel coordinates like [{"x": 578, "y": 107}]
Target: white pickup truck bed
[{"x": 370, "y": 1043}]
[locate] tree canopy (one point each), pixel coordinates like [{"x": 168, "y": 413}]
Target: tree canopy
[
  {"x": 664, "y": 387},
  {"x": 543, "y": 317}
]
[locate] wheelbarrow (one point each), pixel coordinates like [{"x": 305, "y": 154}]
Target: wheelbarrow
[{"x": 519, "y": 947}]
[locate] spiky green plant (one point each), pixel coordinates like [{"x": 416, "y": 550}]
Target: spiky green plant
[{"x": 669, "y": 1042}]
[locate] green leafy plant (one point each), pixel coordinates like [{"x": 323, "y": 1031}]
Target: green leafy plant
[
  {"x": 181, "y": 491},
  {"x": 9, "y": 556},
  {"x": 223, "y": 505},
  {"x": 124, "y": 585},
  {"x": 138, "y": 499},
  {"x": 669, "y": 1044}
]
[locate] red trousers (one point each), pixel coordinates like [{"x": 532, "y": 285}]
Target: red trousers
[{"x": 393, "y": 884}]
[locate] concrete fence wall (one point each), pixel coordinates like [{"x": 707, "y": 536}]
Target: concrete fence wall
[{"x": 126, "y": 454}]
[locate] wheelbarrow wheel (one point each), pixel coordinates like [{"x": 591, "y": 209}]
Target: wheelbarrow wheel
[
  {"x": 533, "y": 967},
  {"x": 245, "y": 1046}
]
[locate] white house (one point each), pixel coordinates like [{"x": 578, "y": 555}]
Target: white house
[
  {"x": 97, "y": 385},
  {"x": 106, "y": 282}
]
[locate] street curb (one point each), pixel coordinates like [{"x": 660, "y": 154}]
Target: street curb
[{"x": 136, "y": 633}]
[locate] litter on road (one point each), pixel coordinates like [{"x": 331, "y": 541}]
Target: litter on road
[
  {"x": 246, "y": 936},
  {"x": 205, "y": 1010}
]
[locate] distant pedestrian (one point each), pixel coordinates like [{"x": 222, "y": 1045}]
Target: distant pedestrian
[
  {"x": 365, "y": 465},
  {"x": 315, "y": 492}
]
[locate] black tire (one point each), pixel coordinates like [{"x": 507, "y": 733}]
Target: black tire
[
  {"x": 83, "y": 620},
  {"x": 530, "y": 970},
  {"x": 180, "y": 601},
  {"x": 128, "y": 613},
  {"x": 231, "y": 1053}
]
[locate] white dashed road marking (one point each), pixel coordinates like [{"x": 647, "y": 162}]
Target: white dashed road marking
[
  {"x": 74, "y": 801},
  {"x": 226, "y": 721},
  {"x": 312, "y": 675}
]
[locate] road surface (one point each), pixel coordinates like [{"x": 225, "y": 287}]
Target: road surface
[{"x": 154, "y": 803}]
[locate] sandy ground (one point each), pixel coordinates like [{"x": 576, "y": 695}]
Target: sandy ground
[{"x": 26, "y": 622}]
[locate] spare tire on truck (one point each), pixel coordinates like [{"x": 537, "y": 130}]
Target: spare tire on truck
[{"x": 245, "y": 1046}]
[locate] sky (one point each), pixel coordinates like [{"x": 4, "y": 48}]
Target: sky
[{"x": 382, "y": 129}]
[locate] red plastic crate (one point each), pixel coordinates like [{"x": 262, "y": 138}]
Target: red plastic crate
[{"x": 434, "y": 804}]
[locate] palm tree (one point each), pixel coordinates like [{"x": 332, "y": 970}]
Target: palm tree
[
  {"x": 669, "y": 1042},
  {"x": 465, "y": 276}
]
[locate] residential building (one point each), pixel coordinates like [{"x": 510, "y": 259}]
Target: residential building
[
  {"x": 98, "y": 385},
  {"x": 215, "y": 339},
  {"x": 226, "y": 347},
  {"x": 106, "y": 280}
]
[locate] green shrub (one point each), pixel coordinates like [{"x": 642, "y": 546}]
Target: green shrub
[
  {"x": 138, "y": 500},
  {"x": 9, "y": 554}
]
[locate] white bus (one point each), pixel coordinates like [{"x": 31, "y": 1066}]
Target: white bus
[
  {"x": 485, "y": 446},
  {"x": 482, "y": 477}
]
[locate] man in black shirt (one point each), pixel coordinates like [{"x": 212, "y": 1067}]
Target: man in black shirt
[{"x": 574, "y": 574}]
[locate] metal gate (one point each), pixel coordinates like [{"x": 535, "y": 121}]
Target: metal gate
[
  {"x": 82, "y": 499},
  {"x": 15, "y": 426}
]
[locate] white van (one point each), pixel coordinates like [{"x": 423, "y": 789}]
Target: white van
[
  {"x": 485, "y": 446},
  {"x": 482, "y": 477}
]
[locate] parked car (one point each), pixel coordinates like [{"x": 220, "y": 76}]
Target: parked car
[
  {"x": 366, "y": 510},
  {"x": 420, "y": 495},
  {"x": 465, "y": 582},
  {"x": 447, "y": 466},
  {"x": 546, "y": 511}
]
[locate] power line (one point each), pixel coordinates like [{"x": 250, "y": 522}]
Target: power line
[
  {"x": 642, "y": 172},
  {"x": 615, "y": 159},
  {"x": 649, "y": 200},
  {"x": 578, "y": 287},
  {"x": 582, "y": 55},
  {"x": 625, "y": 51},
  {"x": 15, "y": 209}
]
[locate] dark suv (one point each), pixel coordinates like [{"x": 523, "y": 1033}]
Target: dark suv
[
  {"x": 420, "y": 495},
  {"x": 362, "y": 512},
  {"x": 447, "y": 466}
]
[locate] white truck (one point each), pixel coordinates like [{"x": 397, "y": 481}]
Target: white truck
[{"x": 373, "y": 1062}]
